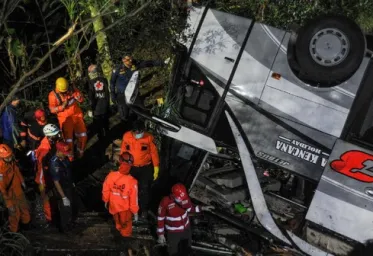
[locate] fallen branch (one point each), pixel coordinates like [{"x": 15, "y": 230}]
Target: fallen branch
[
  {"x": 17, "y": 86},
  {"x": 63, "y": 64}
]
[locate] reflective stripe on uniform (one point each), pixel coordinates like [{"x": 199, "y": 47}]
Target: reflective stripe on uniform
[
  {"x": 161, "y": 218},
  {"x": 118, "y": 194},
  {"x": 177, "y": 228},
  {"x": 83, "y": 134},
  {"x": 32, "y": 136},
  {"x": 177, "y": 218},
  {"x": 69, "y": 140},
  {"x": 41, "y": 176},
  {"x": 160, "y": 230}
]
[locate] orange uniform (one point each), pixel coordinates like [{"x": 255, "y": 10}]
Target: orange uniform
[
  {"x": 43, "y": 149},
  {"x": 120, "y": 192},
  {"x": 11, "y": 181},
  {"x": 40, "y": 153},
  {"x": 143, "y": 150},
  {"x": 70, "y": 118}
]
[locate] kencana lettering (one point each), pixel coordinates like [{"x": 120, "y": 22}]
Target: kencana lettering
[
  {"x": 301, "y": 150},
  {"x": 292, "y": 150}
]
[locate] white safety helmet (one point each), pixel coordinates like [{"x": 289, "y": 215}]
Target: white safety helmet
[{"x": 50, "y": 130}]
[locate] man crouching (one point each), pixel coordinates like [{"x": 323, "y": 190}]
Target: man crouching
[{"x": 119, "y": 193}]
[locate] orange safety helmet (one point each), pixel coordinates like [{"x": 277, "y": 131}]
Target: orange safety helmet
[
  {"x": 179, "y": 192},
  {"x": 5, "y": 151}
]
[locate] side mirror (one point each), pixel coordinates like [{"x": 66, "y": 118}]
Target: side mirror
[{"x": 132, "y": 88}]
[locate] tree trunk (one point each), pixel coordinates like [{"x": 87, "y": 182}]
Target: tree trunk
[{"x": 102, "y": 41}]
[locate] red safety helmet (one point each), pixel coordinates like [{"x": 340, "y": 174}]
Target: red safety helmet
[
  {"x": 5, "y": 151},
  {"x": 39, "y": 114},
  {"x": 126, "y": 157},
  {"x": 179, "y": 192},
  {"x": 125, "y": 163}
]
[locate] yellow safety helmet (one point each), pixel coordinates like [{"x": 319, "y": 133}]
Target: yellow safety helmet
[{"x": 62, "y": 84}]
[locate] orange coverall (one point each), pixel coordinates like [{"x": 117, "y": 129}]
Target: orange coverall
[
  {"x": 40, "y": 153},
  {"x": 120, "y": 191},
  {"x": 143, "y": 150},
  {"x": 70, "y": 119},
  {"x": 11, "y": 181}
]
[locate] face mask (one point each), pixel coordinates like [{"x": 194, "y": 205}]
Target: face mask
[
  {"x": 177, "y": 200},
  {"x": 139, "y": 135}
]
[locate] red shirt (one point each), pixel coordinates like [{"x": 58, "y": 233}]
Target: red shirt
[{"x": 173, "y": 216}]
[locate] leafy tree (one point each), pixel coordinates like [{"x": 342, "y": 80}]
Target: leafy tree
[{"x": 282, "y": 13}]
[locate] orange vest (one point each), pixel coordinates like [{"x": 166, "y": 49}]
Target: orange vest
[
  {"x": 56, "y": 100},
  {"x": 143, "y": 150},
  {"x": 40, "y": 153},
  {"x": 120, "y": 191}
]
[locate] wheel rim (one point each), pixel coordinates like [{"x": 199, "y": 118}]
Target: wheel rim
[{"x": 329, "y": 47}]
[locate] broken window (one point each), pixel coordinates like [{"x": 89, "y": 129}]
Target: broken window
[{"x": 199, "y": 98}]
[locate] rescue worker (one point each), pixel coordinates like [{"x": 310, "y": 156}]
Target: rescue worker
[
  {"x": 119, "y": 193},
  {"x": 173, "y": 215},
  {"x": 121, "y": 77},
  {"x": 99, "y": 98},
  {"x": 145, "y": 167},
  {"x": 42, "y": 156},
  {"x": 10, "y": 124},
  {"x": 32, "y": 128},
  {"x": 11, "y": 184},
  {"x": 60, "y": 171},
  {"x": 63, "y": 101}
]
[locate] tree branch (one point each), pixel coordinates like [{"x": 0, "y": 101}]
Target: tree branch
[{"x": 17, "y": 86}]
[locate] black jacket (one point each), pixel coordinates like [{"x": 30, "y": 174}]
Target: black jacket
[
  {"x": 122, "y": 75},
  {"x": 99, "y": 96}
]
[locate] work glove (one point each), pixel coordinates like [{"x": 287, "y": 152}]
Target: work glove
[
  {"x": 65, "y": 201},
  {"x": 156, "y": 171},
  {"x": 41, "y": 188},
  {"x": 207, "y": 208},
  {"x": 135, "y": 217},
  {"x": 90, "y": 114},
  {"x": 161, "y": 239},
  {"x": 167, "y": 61}
]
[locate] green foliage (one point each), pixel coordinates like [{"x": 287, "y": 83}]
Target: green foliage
[
  {"x": 72, "y": 8},
  {"x": 282, "y": 13}
]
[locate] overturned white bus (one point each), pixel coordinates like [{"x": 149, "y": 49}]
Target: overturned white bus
[{"x": 274, "y": 128}]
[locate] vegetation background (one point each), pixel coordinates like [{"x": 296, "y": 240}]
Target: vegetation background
[{"x": 100, "y": 31}]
